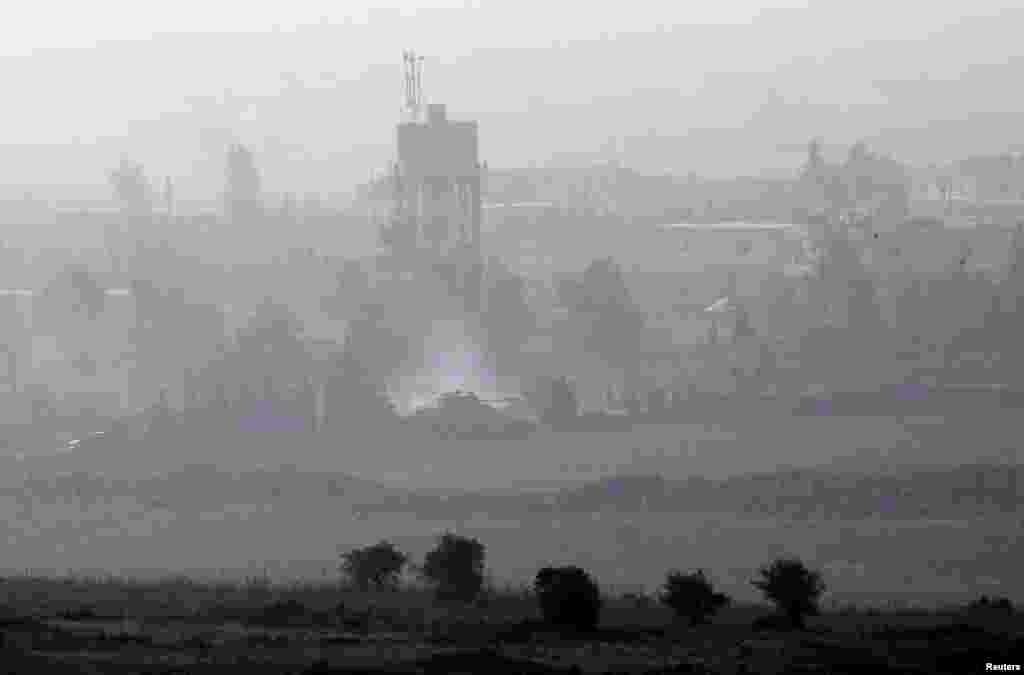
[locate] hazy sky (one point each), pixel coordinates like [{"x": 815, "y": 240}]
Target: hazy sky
[
  {"x": 457, "y": 27},
  {"x": 672, "y": 83}
]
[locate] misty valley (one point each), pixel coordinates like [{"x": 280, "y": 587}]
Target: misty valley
[
  {"x": 870, "y": 531},
  {"x": 279, "y": 395}
]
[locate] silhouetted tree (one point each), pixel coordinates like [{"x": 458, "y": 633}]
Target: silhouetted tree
[
  {"x": 836, "y": 189},
  {"x": 379, "y": 565},
  {"x": 568, "y": 596},
  {"x": 793, "y": 588},
  {"x": 270, "y": 344},
  {"x": 351, "y": 285},
  {"x": 691, "y": 596},
  {"x": 508, "y": 316},
  {"x": 658, "y": 403},
  {"x": 455, "y": 567},
  {"x": 744, "y": 328},
  {"x": 604, "y": 286},
  {"x": 132, "y": 188},
  {"x": 306, "y": 402},
  {"x": 815, "y": 159},
  {"x": 1012, "y": 290},
  {"x": 1008, "y": 323},
  {"x": 614, "y": 321},
  {"x": 379, "y": 344},
  {"x": 351, "y": 391},
  {"x": 849, "y": 286},
  {"x": 876, "y": 181},
  {"x": 75, "y": 288},
  {"x": 554, "y": 399},
  {"x": 995, "y": 605}
]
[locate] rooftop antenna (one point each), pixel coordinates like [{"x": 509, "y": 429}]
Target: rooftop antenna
[
  {"x": 406, "y": 82},
  {"x": 413, "y": 90},
  {"x": 418, "y": 70}
]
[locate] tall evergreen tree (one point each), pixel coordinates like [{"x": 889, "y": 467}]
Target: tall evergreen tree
[
  {"x": 744, "y": 328},
  {"x": 815, "y": 159},
  {"x": 353, "y": 395},
  {"x": 307, "y": 403},
  {"x": 554, "y": 399},
  {"x": 850, "y": 287},
  {"x": 508, "y": 317},
  {"x": 612, "y": 322}
]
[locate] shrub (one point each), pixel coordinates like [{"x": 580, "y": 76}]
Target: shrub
[
  {"x": 568, "y": 596},
  {"x": 379, "y": 565},
  {"x": 692, "y": 596},
  {"x": 793, "y": 588},
  {"x": 995, "y": 605},
  {"x": 455, "y": 567}
]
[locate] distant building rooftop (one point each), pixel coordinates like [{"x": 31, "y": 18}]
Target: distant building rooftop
[
  {"x": 520, "y": 205},
  {"x": 721, "y": 305},
  {"x": 732, "y": 227}
]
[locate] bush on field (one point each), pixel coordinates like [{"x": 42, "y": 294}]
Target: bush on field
[
  {"x": 455, "y": 568},
  {"x": 377, "y": 566},
  {"x": 568, "y": 596},
  {"x": 793, "y": 588},
  {"x": 993, "y": 605},
  {"x": 692, "y": 596}
]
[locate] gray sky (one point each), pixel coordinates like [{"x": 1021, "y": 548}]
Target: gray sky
[{"x": 546, "y": 80}]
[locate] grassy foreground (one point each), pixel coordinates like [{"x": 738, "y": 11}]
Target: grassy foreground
[{"x": 177, "y": 625}]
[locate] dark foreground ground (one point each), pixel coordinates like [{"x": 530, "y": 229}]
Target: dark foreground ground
[{"x": 66, "y": 626}]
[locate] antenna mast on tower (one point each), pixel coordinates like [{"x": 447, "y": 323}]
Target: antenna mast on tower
[{"x": 413, "y": 94}]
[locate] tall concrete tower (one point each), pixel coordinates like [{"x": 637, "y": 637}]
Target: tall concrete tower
[
  {"x": 437, "y": 206},
  {"x": 243, "y": 195}
]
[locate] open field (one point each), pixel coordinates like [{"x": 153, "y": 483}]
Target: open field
[
  {"x": 292, "y": 523},
  {"x": 761, "y": 439},
  {"x": 867, "y": 560},
  {"x": 755, "y": 443},
  {"x": 285, "y": 525},
  {"x": 176, "y": 626}
]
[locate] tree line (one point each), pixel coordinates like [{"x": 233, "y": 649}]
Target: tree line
[{"x": 568, "y": 596}]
